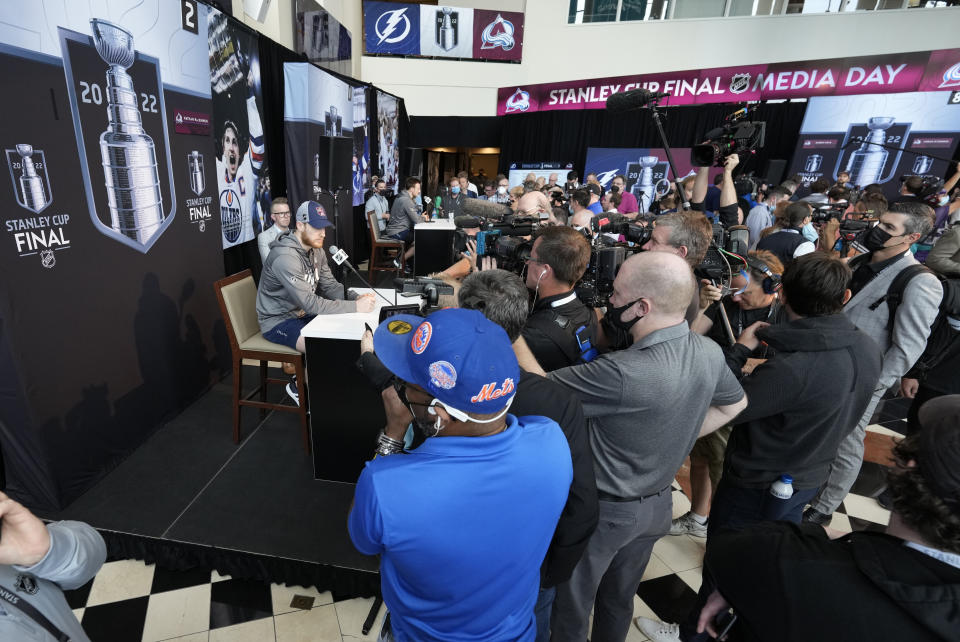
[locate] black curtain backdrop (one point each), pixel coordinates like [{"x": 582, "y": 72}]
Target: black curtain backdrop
[
  {"x": 457, "y": 131},
  {"x": 566, "y": 135}
]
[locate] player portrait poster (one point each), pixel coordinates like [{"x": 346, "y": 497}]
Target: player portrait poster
[
  {"x": 109, "y": 233},
  {"x": 361, "y": 145},
  {"x": 388, "y": 132},
  {"x": 243, "y": 183},
  {"x": 877, "y": 138}
]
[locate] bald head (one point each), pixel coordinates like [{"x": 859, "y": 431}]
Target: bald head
[
  {"x": 663, "y": 278},
  {"x": 532, "y": 203}
]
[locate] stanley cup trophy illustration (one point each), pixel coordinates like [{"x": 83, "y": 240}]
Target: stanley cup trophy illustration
[
  {"x": 30, "y": 182},
  {"x": 866, "y": 164},
  {"x": 447, "y": 38},
  {"x": 922, "y": 165},
  {"x": 643, "y": 189},
  {"x": 195, "y": 168},
  {"x": 128, "y": 153}
]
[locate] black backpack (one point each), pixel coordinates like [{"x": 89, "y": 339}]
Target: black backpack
[{"x": 942, "y": 333}]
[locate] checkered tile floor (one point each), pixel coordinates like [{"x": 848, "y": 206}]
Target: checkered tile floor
[{"x": 129, "y": 600}]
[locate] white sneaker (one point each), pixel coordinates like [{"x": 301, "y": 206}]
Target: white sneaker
[
  {"x": 292, "y": 392},
  {"x": 687, "y": 525},
  {"x": 658, "y": 631}
]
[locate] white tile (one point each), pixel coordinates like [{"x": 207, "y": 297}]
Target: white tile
[
  {"x": 680, "y": 553},
  {"x": 255, "y": 631},
  {"x": 681, "y": 504},
  {"x": 655, "y": 568},
  {"x": 640, "y": 608},
  {"x": 78, "y": 613},
  {"x": 177, "y": 613},
  {"x": 121, "y": 580},
  {"x": 316, "y": 625},
  {"x": 216, "y": 577},
  {"x": 693, "y": 578},
  {"x": 866, "y": 508},
  {"x": 282, "y": 595},
  {"x": 840, "y": 522},
  {"x": 193, "y": 637},
  {"x": 353, "y": 613}
]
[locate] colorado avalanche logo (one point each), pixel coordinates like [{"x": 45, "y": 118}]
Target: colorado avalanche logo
[
  {"x": 421, "y": 337},
  {"x": 951, "y": 77},
  {"x": 739, "y": 83},
  {"x": 498, "y": 33},
  {"x": 519, "y": 101},
  {"x": 443, "y": 375}
]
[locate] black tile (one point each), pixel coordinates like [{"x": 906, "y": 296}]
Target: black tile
[
  {"x": 77, "y": 598},
  {"x": 896, "y": 425},
  {"x": 858, "y": 524},
  {"x": 117, "y": 621},
  {"x": 871, "y": 480},
  {"x": 238, "y": 601},
  {"x": 669, "y": 597},
  {"x": 165, "y": 580}
]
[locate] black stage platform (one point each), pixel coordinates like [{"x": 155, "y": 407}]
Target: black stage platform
[{"x": 189, "y": 497}]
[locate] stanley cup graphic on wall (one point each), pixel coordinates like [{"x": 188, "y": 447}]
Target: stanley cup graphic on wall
[
  {"x": 447, "y": 28},
  {"x": 128, "y": 153},
  {"x": 32, "y": 185},
  {"x": 867, "y": 163}
]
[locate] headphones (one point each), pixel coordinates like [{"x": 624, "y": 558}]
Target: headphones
[{"x": 771, "y": 283}]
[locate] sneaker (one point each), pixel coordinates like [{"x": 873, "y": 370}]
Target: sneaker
[
  {"x": 813, "y": 516},
  {"x": 885, "y": 499},
  {"x": 658, "y": 631},
  {"x": 292, "y": 391},
  {"x": 396, "y": 263},
  {"x": 687, "y": 525}
]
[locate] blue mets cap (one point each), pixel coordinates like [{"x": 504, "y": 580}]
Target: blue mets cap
[{"x": 459, "y": 356}]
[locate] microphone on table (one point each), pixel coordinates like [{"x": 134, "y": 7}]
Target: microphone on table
[{"x": 340, "y": 258}]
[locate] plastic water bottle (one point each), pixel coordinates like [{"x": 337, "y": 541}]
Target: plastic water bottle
[{"x": 782, "y": 488}]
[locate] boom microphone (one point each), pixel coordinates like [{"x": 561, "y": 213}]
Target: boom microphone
[
  {"x": 466, "y": 222},
  {"x": 484, "y": 209},
  {"x": 632, "y": 99}
]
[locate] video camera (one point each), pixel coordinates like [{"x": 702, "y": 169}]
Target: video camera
[
  {"x": 632, "y": 231},
  {"x": 736, "y": 135},
  {"x": 827, "y": 211},
  {"x": 715, "y": 266},
  {"x": 501, "y": 240}
]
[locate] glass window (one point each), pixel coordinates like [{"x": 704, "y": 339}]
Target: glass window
[
  {"x": 699, "y": 9},
  {"x": 592, "y": 11}
]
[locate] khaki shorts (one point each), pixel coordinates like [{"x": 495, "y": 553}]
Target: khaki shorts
[{"x": 712, "y": 448}]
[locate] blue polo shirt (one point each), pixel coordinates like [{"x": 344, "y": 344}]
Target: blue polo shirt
[
  {"x": 596, "y": 208},
  {"x": 462, "y": 525}
]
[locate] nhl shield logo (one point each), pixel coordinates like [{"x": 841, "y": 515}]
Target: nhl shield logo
[
  {"x": 739, "y": 83},
  {"x": 26, "y": 584},
  {"x": 28, "y": 171},
  {"x": 47, "y": 258},
  {"x": 123, "y": 152}
]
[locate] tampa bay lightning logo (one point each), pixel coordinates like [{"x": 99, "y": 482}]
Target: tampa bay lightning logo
[
  {"x": 388, "y": 23},
  {"x": 951, "y": 77},
  {"x": 498, "y": 33},
  {"x": 519, "y": 101},
  {"x": 606, "y": 177}
]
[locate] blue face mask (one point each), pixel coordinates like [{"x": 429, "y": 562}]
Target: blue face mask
[
  {"x": 809, "y": 232},
  {"x": 454, "y": 190},
  {"x": 418, "y": 200}
]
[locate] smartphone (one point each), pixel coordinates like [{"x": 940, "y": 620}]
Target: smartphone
[{"x": 723, "y": 623}]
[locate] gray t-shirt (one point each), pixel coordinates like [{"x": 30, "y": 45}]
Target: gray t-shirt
[{"x": 646, "y": 404}]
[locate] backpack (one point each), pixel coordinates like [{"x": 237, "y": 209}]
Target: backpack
[{"x": 942, "y": 332}]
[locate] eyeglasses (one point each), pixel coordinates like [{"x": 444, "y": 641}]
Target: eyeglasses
[
  {"x": 282, "y": 214},
  {"x": 401, "y": 388},
  {"x": 531, "y": 259}
]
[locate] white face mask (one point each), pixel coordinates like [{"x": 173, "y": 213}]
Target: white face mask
[{"x": 501, "y": 190}]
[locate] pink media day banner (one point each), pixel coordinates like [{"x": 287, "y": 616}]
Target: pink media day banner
[{"x": 893, "y": 73}]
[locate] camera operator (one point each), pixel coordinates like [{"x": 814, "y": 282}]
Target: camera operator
[
  {"x": 761, "y": 217},
  {"x": 727, "y": 211},
  {"x": 902, "y": 335},
  {"x": 561, "y": 331},
  {"x": 789, "y": 243},
  {"x": 628, "y": 202},
  {"x": 911, "y": 189},
  {"x": 754, "y": 298},
  {"x": 646, "y": 405},
  {"x": 903, "y": 584}
]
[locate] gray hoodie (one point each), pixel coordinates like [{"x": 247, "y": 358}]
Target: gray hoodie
[
  {"x": 297, "y": 283},
  {"x": 76, "y": 554}
]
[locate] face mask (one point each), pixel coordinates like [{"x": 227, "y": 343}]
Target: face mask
[
  {"x": 944, "y": 199},
  {"x": 809, "y": 232},
  {"x": 614, "y": 315},
  {"x": 875, "y": 238},
  {"x": 570, "y": 208},
  {"x": 418, "y": 200},
  {"x": 454, "y": 190},
  {"x": 501, "y": 190}
]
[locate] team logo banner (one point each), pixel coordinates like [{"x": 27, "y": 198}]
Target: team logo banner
[
  {"x": 442, "y": 31},
  {"x": 885, "y": 74}
]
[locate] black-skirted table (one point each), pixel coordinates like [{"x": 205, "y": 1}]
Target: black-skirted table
[
  {"x": 346, "y": 412},
  {"x": 434, "y": 242}
]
